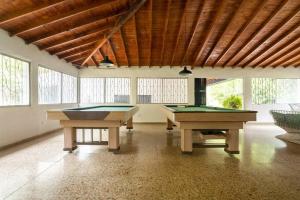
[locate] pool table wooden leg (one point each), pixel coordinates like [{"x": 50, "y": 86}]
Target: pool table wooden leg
[
  {"x": 113, "y": 139},
  {"x": 232, "y": 141},
  {"x": 129, "y": 124},
  {"x": 69, "y": 139},
  {"x": 186, "y": 141},
  {"x": 170, "y": 125}
]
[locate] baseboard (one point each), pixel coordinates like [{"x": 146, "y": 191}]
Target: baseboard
[
  {"x": 149, "y": 122},
  {"x": 29, "y": 139}
]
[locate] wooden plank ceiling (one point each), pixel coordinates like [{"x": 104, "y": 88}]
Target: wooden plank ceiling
[{"x": 227, "y": 33}]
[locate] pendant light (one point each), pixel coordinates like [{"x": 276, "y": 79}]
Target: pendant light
[
  {"x": 185, "y": 71},
  {"x": 106, "y": 62}
]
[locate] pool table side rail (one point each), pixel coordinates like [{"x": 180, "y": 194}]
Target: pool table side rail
[
  {"x": 122, "y": 116},
  {"x": 209, "y": 116}
]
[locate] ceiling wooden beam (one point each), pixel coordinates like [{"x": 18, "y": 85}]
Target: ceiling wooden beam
[
  {"x": 100, "y": 53},
  {"x": 252, "y": 36},
  {"x": 136, "y": 40},
  {"x": 124, "y": 44},
  {"x": 285, "y": 49},
  {"x": 76, "y": 58},
  {"x": 78, "y": 46},
  {"x": 111, "y": 48},
  {"x": 295, "y": 62},
  {"x": 95, "y": 61},
  {"x": 269, "y": 45},
  {"x": 76, "y": 25},
  {"x": 271, "y": 33},
  {"x": 165, "y": 32},
  {"x": 77, "y": 62},
  {"x": 194, "y": 28},
  {"x": 150, "y": 38},
  {"x": 282, "y": 58},
  {"x": 60, "y": 17},
  {"x": 227, "y": 23},
  {"x": 240, "y": 31},
  {"x": 121, "y": 22},
  {"x": 209, "y": 31},
  {"x": 75, "y": 51},
  {"x": 182, "y": 26},
  {"x": 75, "y": 37},
  {"x": 11, "y": 16}
]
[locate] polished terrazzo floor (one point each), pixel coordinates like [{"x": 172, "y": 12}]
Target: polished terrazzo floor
[{"x": 151, "y": 166}]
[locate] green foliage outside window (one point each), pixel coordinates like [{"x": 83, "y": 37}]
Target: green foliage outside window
[{"x": 233, "y": 101}]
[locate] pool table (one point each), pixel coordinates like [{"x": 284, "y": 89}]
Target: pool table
[
  {"x": 203, "y": 118},
  {"x": 111, "y": 117}
]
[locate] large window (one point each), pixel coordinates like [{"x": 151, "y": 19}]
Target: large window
[
  {"x": 162, "y": 90},
  {"x": 220, "y": 91},
  {"x": 69, "y": 89},
  {"x": 104, "y": 90},
  {"x": 14, "y": 81},
  {"x": 55, "y": 87},
  {"x": 273, "y": 91}
]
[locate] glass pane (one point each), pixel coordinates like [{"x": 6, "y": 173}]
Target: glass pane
[
  {"x": 117, "y": 90},
  {"x": 162, "y": 90},
  {"x": 14, "y": 81},
  {"x": 49, "y": 86},
  {"x": 69, "y": 89},
  {"x": 92, "y": 90}
]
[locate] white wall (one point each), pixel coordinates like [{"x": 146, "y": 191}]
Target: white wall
[
  {"x": 152, "y": 113},
  {"x": 18, "y": 123}
]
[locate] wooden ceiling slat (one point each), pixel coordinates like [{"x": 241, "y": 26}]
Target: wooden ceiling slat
[
  {"x": 295, "y": 62},
  {"x": 166, "y": 23},
  {"x": 181, "y": 26},
  {"x": 77, "y": 62},
  {"x": 281, "y": 52},
  {"x": 151, "y": 35},
  {"x": 122, "y": 21},
  {"x": 75, "y": 37},
  {"x": 89, "y": 43},
  {"x": 136, "y": 40},
  {"x": 240, "y": 31},
  {"x": 124, "y": 44},
  {"x": 95, "y": 61},
  {"x": 282, "y": 55},
  {"x": 272, "y": 32},
  {"x": 62, "y": 16},
  {"x": 15, "y": 15},
  {"x": 194, "y": 28},
  {"x": 270, "y": 51},
  {"x": 289, "y": 60},
  {"x": 111, "y": 48},
  {"x": 75, "y": 58},
  {"x": 76, "y": 25},
  {"x": 209, "y": 32},
  {"x": 269, "y": 45},
  {"x": 230, "y": 18},
  {"x": 252, "y": 36},
  {"x": 76, "y": 51},
  {"x": 100, "y": 53}
]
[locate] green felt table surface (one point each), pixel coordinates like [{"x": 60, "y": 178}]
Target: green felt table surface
[
  {"x": 103, "y": 108},
  {"x": 180, "y": 108}
]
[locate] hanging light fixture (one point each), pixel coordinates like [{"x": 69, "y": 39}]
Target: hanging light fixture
[
  {"x": 106, "y": 62},
  {"x": 185, "y": 71}
]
